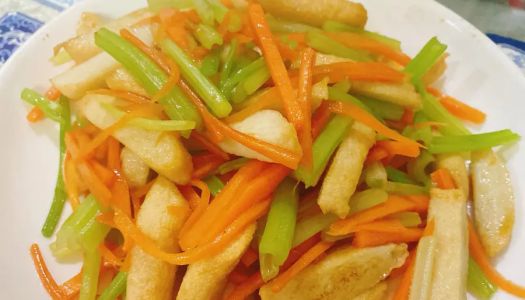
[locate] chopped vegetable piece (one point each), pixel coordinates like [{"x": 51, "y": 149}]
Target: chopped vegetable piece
[
  {"x": 280, "y": 25},
  {"x": 323, "y": 148},
  {"x": 60, "y": 195},
  {"x": 207, "y": 36},
  {"x": 472, "y": 142},
  {"x": 51, "y": 109},
  {"x": 308, "y": 227},
  {"x": 396, "y": 175},
  {"x": 382, "y": 109},
  {"x": 477, "y": 283},
  {"x": 417, "y": 169},
  {"x": 210, "y": 64},
  {"x": 408, "y": 219},
  {"x": 376, "y": 176},
  {"x": 278, "y": 234},
  {"x": 232, "y": 165},
  {"x": 204, "y": 88},
  {"x": 90, "y": 273},
  {"x": 215, "y": 185},
  {"x": 116, "y": 288},
  {"x": 405, "y": 188},
  {"x": 46, "y": 279},
  {"x": 462, "y": 110},
  {"x": 367, "y": 199},
  {"x": 241, "y": 75},
  {"x": 324, "y": 44},
  {"x": 425, "y": 59},
  {"x": 228, "y": 56},
  {"x": 334, "y": 26}
]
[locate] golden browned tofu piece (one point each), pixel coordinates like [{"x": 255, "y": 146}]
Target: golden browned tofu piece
[
  {"x": 343, "y": 175},
  {"x": 342, "y": 274},
  {"x": 317, "y": 12},
  {"x": 448, "y": 209},
  {"x": 149, "y": 277},
  {"x": 134, "y": 169},
  {"x": 493, "y": 201},
  {"x": 401, "y": 94},
  {"x": 455, "y": 163},
  {"x": 378, "y": 292},
  {"x": 162, "y": 151},
  {"x": 206, "y": 279}
]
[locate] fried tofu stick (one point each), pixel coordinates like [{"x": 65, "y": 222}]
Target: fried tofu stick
[
  {"x": 342, "y": 274},
  {"x": 134, "y": 169},
  {"x": 401, "y": 94},
  {"x": 317, "y": 12},
  {"x": 344, "y": 172},
  {"x": 455, "y": 163},
  {"x": 206, "y": 279},
  {"x": 149, "y": 277}
]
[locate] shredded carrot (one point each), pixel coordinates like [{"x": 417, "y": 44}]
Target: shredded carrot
[
  {"x": 120, "y": 195},
  {"x": 194, "y": 233},
  {"x": 421, "y": 202},
  {"x": 406, "y": 281},
  {"x": 155, "y": 55},
  {"x": 108, "y": 256},
  {"x": 35, "y": 115},
  {"x": 443, "y": 179},
  {"x": 357, "y": 41},
  {"x": 274, "y": 152},
  {"x": 398, "y": 162},
  {"x": 205, "y": 164},
  {"x": 199, "y": 208},
  {"x": 190, "y": 195},
  {"x": 373, "y": 238},
  {"x": 399, "y": 148},
  {"x": 304, "y": 97},
  {"x": 125, "y": 225},
  {"x": 113, "y": 155},
  {"x": 124, "y": 95},
  {"x": 320, "y": 118},
  {"x": 267, "y": 99},
  {"x": 435, "y": 92},
  {"x": 366, "y": 118},
  {"x": 45, "y": 276},
  {"x": 71, "y": 182},
  {"x": 209, "y": 145},
  {"x": 174, "y": 23},
  {"x": 391, "y": 226},
  {"x": 359, "y": 71},
  {"x": 462, "y": 110},
  {"x": 53, "y": 94},
  {"x": 95, "y": 185},
  {"x": 408, "y": 116},
  {"x": 237, "y": 276},
  {"x": 480, "y": 256},
  {"x": 280, "y": 281},
  {"x": 106, "y": 175},
  {"x": 249, "y": 257},
  {"x": 275, "y": 64},
  {"x": 394, "y": 204},
  {"x": 376, "y": 154},
  {"x": 169, "y": 85},
  {"x": 429, "y": 229},
  {"x": 72, "y": 286}
]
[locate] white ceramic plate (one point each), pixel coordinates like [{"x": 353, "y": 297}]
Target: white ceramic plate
[{"x": 478, "y": 73}]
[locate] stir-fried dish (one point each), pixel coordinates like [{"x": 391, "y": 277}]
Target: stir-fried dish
[{"x": 274, "y": 149}]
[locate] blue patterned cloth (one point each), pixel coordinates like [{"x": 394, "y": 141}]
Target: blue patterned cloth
[{"x": 15, "y": 28}]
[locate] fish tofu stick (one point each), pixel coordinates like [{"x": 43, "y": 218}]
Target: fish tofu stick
[
  {"x": 317, "y": 12},
  {"x": 343, "y": 274},
  {"x": 149, "y": 277},
  {"x": 206, "y": 279},
  {"x": 344, "y": 172}
]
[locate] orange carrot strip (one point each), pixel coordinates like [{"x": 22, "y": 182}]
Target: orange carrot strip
[
  {"x": 45, "y": 276},
  {"x": 209, "y": 145},
  {"x": 168, "y": 86},
  {"x": 35, "y": 115},
  {"x": 113, "y": 156},
  {"x": 442, "y": 179},
  {"x": 320, "y": 119},
  {"x": 376, "y": 154},
  {"x": 156, "y": 56},
  {"x": 249, "y": 257},
  {"x": 394, "y": 204},
  {"x": 357, "y": 41},
  {"x": 94, "y": 183},
  {"x": 120, "y": 196},
  {"x": 274, "y": 152},
  {"x": 280, "y": 281},
  {"x": 72, "y": 286},
  {"x": 199, "y": 208},
  {"x": 53, "y": 94},
  {"x": 205, "y": 164},
  {"x": 480, "y": 256},
  {"x": 109, "y": 256},
  {"x": 398, "y": 148},
  {"x": 462, "y": 110},
  {"x": 366, "y": 118},
  {"x": 374, "y": 238},
  {"x": 221, "y": 202},
  {"x": 268, "y": 98},
  {"x": 71, "y": 181},
  {"x": 106, "y": 175},
  {"x": 275, "y": 64},
  {"x": 124, "y": 95},
  {"x": 248, "y": 287},
  {"x": 406, "y": 281},
  {"x": 125, "y": 225},
  {"x": 420, "y": 201},
  {"x": 359, "y": 71},
  {"x": 408, "y": 116},
  {"x": 392, "y": 226},
  {"x": 304, "y": 97}
]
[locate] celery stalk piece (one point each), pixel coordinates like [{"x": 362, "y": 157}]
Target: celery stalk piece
[
  {"x": 472, "y": 142},
  {"x": 219, "y": 10},
  {"x": 405, "y": 188},
  {"x": 241, "y": 75},
  {"x": 417, "y": 169},
  {"x": 90, "y": 271},
  {"x": 425, "y": 59},
  {"x": 157, "y": 5},
  {"x": 324, "y": 44},
  {"x": 366, "y": 199},
  {"x": 396, "y": 175},
  {"x": 376, "y": 176},
  {"x": 323, "y": 148},
  {"x": 211, "y": 95},
  {"x": 215, "y": 185},
  {"x": 52, "y": 109},
  {"x": 382, "y": 109},
  {"x": 408, "y": 218},
  {"x": 116, "y": 288},
  {"x": 250, "y": 85},
  {"x": 423, "y": 134},
  {"x": 204, "y": 11},
  {"x": 278, "y": 234},
  {"x": 60, "y": 195},
  {"x": 338, "y": 93},
  {"x": 310, "y": 226},
  {"x": 93, "y": 234},
  {"x": 334, "y": 26},
  {"x": 148, "y": 74},
  {"x": 278, "y": 25},
  {"x": 210, "y": 64},
  {"x": 232, "y": 165},
  {"x": 477, "y": 283},
  {"x": 207, "y": 36},
  {"x": 228, "y": 58}
]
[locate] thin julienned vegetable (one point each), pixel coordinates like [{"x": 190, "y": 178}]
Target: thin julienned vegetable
[
  {"x": 472, "y": 142},
  {"x": 241, "y": 75},
  {"x": 232, "y": 165},
  {"x": 396, "y": 175},
  {"x": 215, "y": 185},
  {"x": 425, "y": 59},
  {"x": 477, "y": 283},
  {"x": 116, "y": 288},
  {"x": 323, "y": 43},
  {"x": 90, "y": 273},
  {"x": 334, "y": 26},
  {"x": 210, "y": 64},
  {"x": 207, "y": 36},
  {"x": 227, "y": 64},
  {"x": 51, "y": 109}
]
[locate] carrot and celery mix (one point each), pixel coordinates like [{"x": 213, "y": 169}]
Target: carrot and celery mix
[{"x": 204, "y": 72}]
